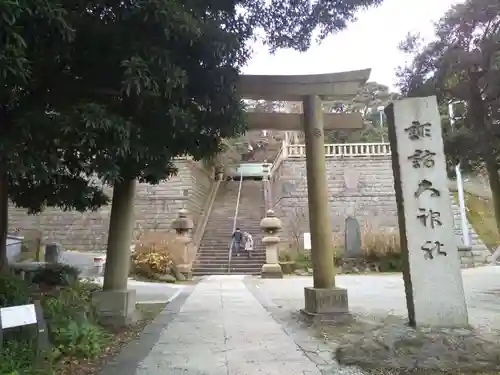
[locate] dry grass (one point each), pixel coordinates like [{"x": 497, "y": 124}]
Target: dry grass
[
  {"x": 482, "y": 218},
  {"x": 375, "y": 243}
]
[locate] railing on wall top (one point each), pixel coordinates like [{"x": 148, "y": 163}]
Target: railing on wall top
[
  {"x": 331, "y": 150},
  {"x": 344, "y": 150}
]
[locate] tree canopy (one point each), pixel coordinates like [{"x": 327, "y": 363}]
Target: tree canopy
[
  {"x": 367, "y": 102},
  {"x": 118, "y": 89},
  {"x": 462, "y": 64}
]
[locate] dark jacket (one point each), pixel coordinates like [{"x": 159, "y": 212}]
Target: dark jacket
[{"x": 238, "y": 236}]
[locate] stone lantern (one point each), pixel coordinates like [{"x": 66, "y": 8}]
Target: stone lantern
[
  {"x": 271, "y": 225},
  {"x": 183, "y": 225},
  {"x": 219, "y": 173}
]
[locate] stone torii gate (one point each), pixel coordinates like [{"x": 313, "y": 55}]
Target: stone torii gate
[{"x": 311, "y": 90}]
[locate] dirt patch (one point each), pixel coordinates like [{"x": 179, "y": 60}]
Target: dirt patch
[
  {"x": 427, "y": 372},
  {"x": 388, "y": 346},
  {"x": 78, "y": 366}
]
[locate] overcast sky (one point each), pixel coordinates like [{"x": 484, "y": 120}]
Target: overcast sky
[{"x": 371, "y": 42}]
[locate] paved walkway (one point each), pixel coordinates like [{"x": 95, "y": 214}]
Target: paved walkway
[
  {"x": 231, "y": 325},
  {"x": 220, "y": 329}
]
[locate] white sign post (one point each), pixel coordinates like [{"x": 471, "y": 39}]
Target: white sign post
[
  {"x": 433, "y": 281},
  {"x": 307, "y": 241},
  {"x": 25, "y": 315}
]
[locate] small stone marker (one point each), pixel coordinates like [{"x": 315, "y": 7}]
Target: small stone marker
[
  {"x": 351, "y": 179},
  {"x": 52, "y": 253},
  {"x": 431, "y": 264},
  {"x": 352, "y": 238}
]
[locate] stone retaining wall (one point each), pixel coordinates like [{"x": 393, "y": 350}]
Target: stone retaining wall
[
  {"x": 156, "y": 206},
  {"x": 359, "y": 187}
]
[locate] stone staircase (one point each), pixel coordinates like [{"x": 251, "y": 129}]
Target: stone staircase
[{"x": 213, "y": 253}]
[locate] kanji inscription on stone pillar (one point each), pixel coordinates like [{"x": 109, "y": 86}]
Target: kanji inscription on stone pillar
[{"x": 433, "y": 281}]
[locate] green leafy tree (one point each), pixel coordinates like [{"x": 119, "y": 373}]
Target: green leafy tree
[
  {"x": 117, "y": 90},
  {"x": 462, "y": 65},
  {"x": 367, "y": 102},
  {"x": 49, "y": 140}
]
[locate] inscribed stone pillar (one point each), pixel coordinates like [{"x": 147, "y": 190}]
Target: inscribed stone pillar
[
  {"x": 432, "y": 277},
  {"x": 323, "y": 298}
]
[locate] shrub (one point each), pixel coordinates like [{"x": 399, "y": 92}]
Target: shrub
[
  {"x": 13, "y": 290},
  {"x": 71, "y": 324},
  {"x": 56, "y": 275},
  {"x": 161, "y": 242},
  {"x": 18, "y": 358},
  {"x": 151, "y": 263},
  {"x": 71, "y": 321},
  {"x": 79, "y": 339},
  {"x": 285, "y": 256},
  {"x": 156, "y": 253}
]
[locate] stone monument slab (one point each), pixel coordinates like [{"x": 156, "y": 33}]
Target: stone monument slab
[
  {"x": 52, "y": 253},
  {"x": 351, "y": 179},
  {"x": 433, "y": 281},
  {"x": 352, "y": 238}
]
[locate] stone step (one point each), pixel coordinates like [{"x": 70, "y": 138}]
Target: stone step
[
  {"x": 240, "y": 259},
  {"x": 228, "y": 227},
  {"x": 234, "y": 265},
  {"x": 224, "y": 272},
  {"x": 225, "y": 253},
  {"x": 218, "y": 239},
  {"x": 223, "y": 266},
  {"x": 213, "y": 253},
  {"x": 225, "y": 249},
  {"x": 224, "y": 257},
  {"x": 222, "y": 239}
]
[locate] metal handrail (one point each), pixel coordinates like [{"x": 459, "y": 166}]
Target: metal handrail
[{"x": 234, "y": 223}]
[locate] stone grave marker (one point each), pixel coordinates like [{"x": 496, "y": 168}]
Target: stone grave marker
[
  {"x": 431, "y": 264},
  {"x": 352, "y": 238},
  {"x": 52, "y": 253},
  {"x": 351, "y": 179}
]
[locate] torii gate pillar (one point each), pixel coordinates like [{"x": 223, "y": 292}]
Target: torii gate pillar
[
  {"x": 323, "y": 298},
  {"x": 317, "y": 194}
]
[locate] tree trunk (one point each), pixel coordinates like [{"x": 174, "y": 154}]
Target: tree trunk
[
  {"x": 4, "y": 220},
  {"x": 494, "y": 178},
  {"x": 121, "y": 226}
]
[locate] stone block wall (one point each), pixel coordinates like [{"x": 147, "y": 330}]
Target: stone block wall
[
  {"x": 359, "y": 187},
  {"x": 156, "y": 206}
]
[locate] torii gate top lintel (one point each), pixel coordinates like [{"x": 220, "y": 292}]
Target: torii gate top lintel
[{"x": 331, "y": 86}]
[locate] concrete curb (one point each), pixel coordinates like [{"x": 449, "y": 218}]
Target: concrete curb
[{"x": 131, "y": 356}]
